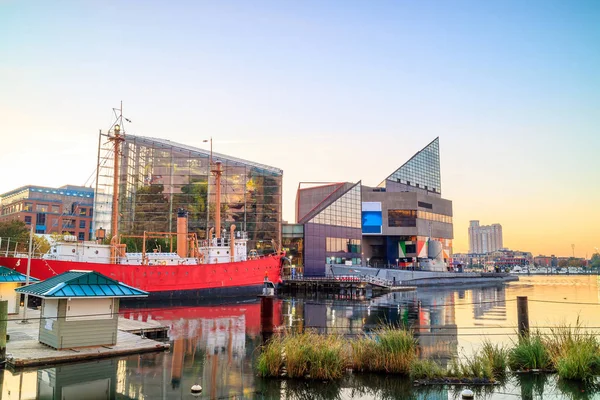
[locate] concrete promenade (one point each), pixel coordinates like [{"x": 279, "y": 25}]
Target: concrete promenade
[{"x": 423, "y": 278}]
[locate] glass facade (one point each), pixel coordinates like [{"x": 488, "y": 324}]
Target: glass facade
[
  {"x": 157, "y": 177},
  {"x": 408, "y": 218},
  {"x": 292, "y": 236},
  {"x": 421, "y": 171},
  {"x": 334, "y": 234}
]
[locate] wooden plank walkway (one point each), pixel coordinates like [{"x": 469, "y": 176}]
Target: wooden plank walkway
[{"x": 24, "y": 350}]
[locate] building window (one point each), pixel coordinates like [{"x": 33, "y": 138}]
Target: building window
[
  {"x": 28, "y": 219},
  {"x": 425, "y": 205},
  {"x": 41, "y": 207},
  {"x": 28, "y": 206},
  {"x": 91, "y": 213},
  {"x": 83, "y": 212},
  {"x": 55, "y": 208},
  {"x": 81, "y": 224},
  {"x": 402, "y": 218},
  {"x": 40, "y": 219},
  {"x": 81, "y": 236},
  {"x": 55, "y": 222}
]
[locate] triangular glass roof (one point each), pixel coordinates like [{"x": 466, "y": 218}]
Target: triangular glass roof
[
  {"x": 81, "y": 284},
  {"x": 344, "y": 211},
  {"x": 422, "y": 170}
]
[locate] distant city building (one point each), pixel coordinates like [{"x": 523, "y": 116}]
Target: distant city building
[
  {"x": 545, "y": 261},
  {"x": 511, "y": 258},
  {"x": 391, "y": 224},
  {"x": 67, "y": 209},
  {"x": 484, "y": 238}
]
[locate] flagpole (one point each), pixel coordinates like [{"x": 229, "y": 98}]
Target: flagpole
[{"x": 24, "y": 321}]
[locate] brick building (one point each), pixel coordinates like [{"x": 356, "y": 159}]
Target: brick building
[{"x": 67, "y": 209}]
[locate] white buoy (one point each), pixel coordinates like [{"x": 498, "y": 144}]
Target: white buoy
[
  {"x": 196, "y": 390},
  {"x": 467, "y": 394}
]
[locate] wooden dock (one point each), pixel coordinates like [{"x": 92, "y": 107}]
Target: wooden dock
[
  {"x": 24, "y": 350},
  {"x": 343, "y": 283}
]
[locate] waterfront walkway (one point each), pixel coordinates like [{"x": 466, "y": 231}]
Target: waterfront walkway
[
  {"x": 23, "y": 348},
  {"x": 344, "y": 282}
]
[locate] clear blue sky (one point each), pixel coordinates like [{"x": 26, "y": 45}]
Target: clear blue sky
[{"x": 327, "y": 91}]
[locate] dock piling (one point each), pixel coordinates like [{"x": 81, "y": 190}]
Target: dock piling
[{"x": 523, "y": 316}]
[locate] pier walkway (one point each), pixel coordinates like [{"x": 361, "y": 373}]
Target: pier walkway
[
  {"x": 23, "y": 348},
  {"x": 343, "y": 282}
]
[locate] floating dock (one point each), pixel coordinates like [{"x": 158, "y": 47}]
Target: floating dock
[{"x": 23, "y": 348}]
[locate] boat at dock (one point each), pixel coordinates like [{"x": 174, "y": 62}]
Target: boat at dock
[{"x": 220, "y": 265}]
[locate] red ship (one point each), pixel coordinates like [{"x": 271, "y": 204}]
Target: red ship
[{"x": 219, "y": 266}]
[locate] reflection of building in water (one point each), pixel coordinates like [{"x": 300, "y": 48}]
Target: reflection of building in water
[
  {"x": 436, "y": 325},
  {"x": 431, "y": 315},
  {"x": 95, "y": 380},
  {"x": 489, "y": 303},
  {"x": 210, "y": 346}
]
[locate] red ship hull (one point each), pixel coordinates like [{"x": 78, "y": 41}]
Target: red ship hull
[{"x": 172, "y": 281}]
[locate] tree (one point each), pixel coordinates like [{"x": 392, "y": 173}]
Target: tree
[
  {"x": 40, "y": 245},
  {"x": 15, "y": 230},
  {"x": 595, "y": 261}
]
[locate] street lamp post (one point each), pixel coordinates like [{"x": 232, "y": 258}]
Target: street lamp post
[{"x": 398, "y": 263}]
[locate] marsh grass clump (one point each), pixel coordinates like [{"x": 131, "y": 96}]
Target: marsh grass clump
[
  {"x": 575, "y": 353},
  {"x": 426, "y": 369},
  {"x": 387, "y": 350},
  {"x": 270, "y": 360},
  {"x": 306, "y": 355},
  {"x": 398, "y": 349},
  {"x": 496, "y": 355},
  {"x": 475, "y": 367},
  {"x": 581, "y": 363},
  {"x": 529, "y": 353},
  {"x": 365, "y": 355},
  {"x": 328, "y": 358}
]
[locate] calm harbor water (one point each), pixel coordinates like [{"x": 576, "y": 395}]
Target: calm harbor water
[{"x": 215, "y": 345}]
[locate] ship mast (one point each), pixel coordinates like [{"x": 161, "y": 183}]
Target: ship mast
[
  {"x": 218, "y": 171},
  {"x": 117, "y": 138}
]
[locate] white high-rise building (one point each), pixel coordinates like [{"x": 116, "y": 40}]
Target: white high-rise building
[{"x": 484, "y": 238}]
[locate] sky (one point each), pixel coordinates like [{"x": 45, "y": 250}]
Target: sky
[{"x": 327, "y": 91}]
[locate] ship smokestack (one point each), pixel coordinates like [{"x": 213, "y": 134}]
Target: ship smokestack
[{"x": 182, "y": 233}]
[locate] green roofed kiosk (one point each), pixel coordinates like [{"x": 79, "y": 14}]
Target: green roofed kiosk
[
  {"x": 80, "y": 308},
  {"x": 10, "y": 280}
]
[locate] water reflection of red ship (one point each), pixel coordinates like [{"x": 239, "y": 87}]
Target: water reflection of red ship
[
  {"x": 249, "y": 312},
  {"x": 219, "y": 331}
]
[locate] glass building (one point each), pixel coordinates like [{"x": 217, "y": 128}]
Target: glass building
[
  {"x": 332, "y": 227},
  {"x": 389, "y": 225},
  {"x": 157, "y": 177}
]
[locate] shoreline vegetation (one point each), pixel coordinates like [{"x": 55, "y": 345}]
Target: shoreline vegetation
[{"x": 570, "y": 352}]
